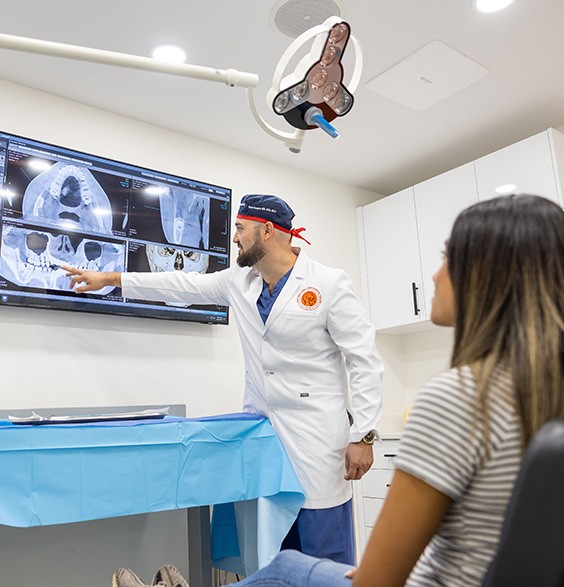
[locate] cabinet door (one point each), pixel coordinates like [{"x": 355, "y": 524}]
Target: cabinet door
[
  {"x": 437, "y": 204},
  {"x": 371, "y": 491},
  {"x": 391, "y": 254},
  {"x": 528, "y": 165}
]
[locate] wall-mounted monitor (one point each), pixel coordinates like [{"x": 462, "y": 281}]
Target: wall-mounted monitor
[{"x": 65, "y": 207}]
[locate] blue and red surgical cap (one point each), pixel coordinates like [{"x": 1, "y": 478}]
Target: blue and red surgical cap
[{"x": 266, "y": 208}]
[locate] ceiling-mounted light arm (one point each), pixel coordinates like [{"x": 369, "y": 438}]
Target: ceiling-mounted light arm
[{"x": 231, "y": 77}]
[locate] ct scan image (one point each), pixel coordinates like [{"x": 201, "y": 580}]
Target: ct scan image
[
  {"x": 185, "y": 217},
  {"x": 68, "y": 196},
  {"x": 33, "y": 258}
]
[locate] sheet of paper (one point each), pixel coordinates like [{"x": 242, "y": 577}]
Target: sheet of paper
[{"x": 72, "y": 419}]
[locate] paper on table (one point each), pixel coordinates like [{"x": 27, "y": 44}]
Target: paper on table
[{"x": 74, "y": 419}]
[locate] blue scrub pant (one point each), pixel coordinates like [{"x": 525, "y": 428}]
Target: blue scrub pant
[
  {"x": 326, "y": 533},
  {"x": 294, "y": 569}
]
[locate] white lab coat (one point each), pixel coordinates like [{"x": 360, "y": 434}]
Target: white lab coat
[{"x": 295, "y": 370}]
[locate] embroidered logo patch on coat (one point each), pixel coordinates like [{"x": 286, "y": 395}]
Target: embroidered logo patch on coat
[{"x": 309, "y": 298}]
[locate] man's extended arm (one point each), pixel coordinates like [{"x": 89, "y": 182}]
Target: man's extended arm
[
  {"x": 83, "y": 281},
  {"x": 167, "y": 286}
]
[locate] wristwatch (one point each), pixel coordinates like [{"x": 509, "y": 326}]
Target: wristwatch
[{"x": 370, "y": 437}]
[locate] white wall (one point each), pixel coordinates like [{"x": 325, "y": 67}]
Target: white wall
[
  {"x": 56, "y": 358},
  {"x": 410, "y": 360}
]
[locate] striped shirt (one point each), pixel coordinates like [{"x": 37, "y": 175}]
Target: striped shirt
[{"x": 443, "y": 444}]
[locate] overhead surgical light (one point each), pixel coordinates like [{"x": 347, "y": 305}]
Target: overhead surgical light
[
  {"x": 314, "y": 94},
  {"x": 309, "y": 98}
]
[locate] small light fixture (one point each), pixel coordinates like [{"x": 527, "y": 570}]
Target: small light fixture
[
  {"x": 491, "y": 5},
  {"x": 506, "y": 188},
  {"x": 168, "y": 53}
]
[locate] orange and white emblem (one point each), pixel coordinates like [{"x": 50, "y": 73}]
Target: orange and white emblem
[{"x": 309, "y": 298}]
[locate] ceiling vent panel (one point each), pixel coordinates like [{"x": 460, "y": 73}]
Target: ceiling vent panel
[{"x": 428, "y": 76}]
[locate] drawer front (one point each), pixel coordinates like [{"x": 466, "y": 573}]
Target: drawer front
[
  {"x": 385, "y": 453},
  {"x": 376, "y": 482},
  {"x": 372, "y": 507}
]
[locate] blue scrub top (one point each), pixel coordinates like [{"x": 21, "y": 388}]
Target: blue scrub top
[{"x": 266, "y": 299}]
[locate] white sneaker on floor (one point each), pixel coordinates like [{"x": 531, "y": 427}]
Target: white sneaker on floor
[
  {"x": 126, "y": 578},
  {"x": 169, "y": 576}
]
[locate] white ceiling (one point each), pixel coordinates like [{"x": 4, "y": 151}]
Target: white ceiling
[{"x": 383, "y": 147}]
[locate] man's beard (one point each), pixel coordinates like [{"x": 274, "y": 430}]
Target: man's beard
[{"x": 252, "y": 255}]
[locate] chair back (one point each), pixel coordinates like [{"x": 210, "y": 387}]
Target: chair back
[{"x": 531, "y": 548}]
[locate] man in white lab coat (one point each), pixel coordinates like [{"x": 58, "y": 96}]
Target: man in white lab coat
[{"x": 302, "y": 328}]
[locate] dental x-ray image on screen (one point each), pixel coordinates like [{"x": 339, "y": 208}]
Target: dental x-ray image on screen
[
  {"x": 185, "y": 216},
  {"x": 68, "y": 195},
  {"x": 65, "y": 207},
  {"x": 31, "y": 258}
]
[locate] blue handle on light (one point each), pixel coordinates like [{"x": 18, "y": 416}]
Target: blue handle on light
[
  {"x": 319, "y": 121},
  {"x": 314, "y": 116}
]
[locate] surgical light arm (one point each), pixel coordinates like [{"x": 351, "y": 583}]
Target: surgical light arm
[{"x": 231, "y": 77}]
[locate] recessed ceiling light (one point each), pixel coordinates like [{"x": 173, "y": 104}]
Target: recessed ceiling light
[
  {"x": 491, "y": 5},
  {"x": 168, "y": 53},
  {"x": 506, "y": 188}
]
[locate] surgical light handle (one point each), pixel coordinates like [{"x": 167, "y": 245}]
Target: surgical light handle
[{"x": 315, "y": 116}]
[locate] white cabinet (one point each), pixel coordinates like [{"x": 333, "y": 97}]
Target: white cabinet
[
  {"x": 438, "y": 202},
  {"x": 392, "y": 276},
  {"x": 374, "y": 487},
  {"x": 402, "y": 235},
  {"x": 533, "y": 166}
]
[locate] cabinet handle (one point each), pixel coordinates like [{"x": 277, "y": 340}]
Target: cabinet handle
[{"x": 414, "y": 289}]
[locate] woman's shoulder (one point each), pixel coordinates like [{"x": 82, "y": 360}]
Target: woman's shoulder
[
  {"x": 461, "y": 381},
  {"x": 457, "y": 381}
]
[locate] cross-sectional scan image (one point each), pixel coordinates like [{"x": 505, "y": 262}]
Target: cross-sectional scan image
[
  {"x": 32, "y": 258},
  {"x": 161, "y": 258},
  {"x": 170, "y": 259},
  {"x": 68, "y": 196},
  {"x": 185, "y": 217}
]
